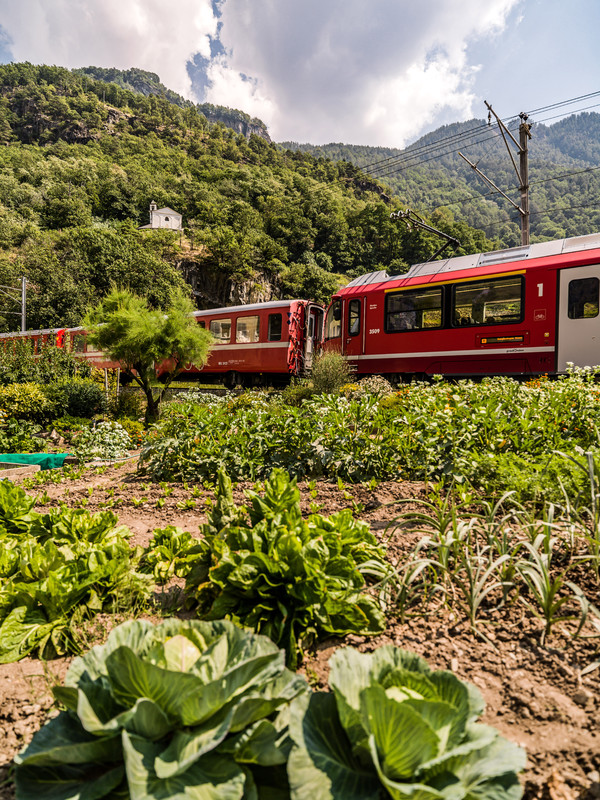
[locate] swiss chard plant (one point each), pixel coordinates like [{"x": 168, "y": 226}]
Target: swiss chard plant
[
  {"x": 184, "y": 709},
  {"x": 392, "y": 727},
  {"x": 295, "y": 580}
]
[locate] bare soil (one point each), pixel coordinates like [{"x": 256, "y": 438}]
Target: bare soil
[{"x": 535, "y": 696}]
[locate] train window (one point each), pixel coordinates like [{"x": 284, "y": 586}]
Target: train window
[
  {"x": 583, "y": 298},
  {"x": 413, "y": 310},
  {"x": 491, "y": 302},
  {"x": 78, "y": 344},
  {"x": 333, "y": 322},
  {"x": 202, "y": 323},
  {"x": 221, "y": 329},
  {"x": 275, "y": 327},
  {"x": 354, "y": 317},
  {"x": 246, "y": 329},
  {"x": 90, "y": 348}
]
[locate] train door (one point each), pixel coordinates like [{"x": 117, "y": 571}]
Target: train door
[
  {"x": 332, "y": 334},
  {"x": 354, "y": 328},
  {"x": 578, "y": 317},
  {"x": 314, "y": 325}
]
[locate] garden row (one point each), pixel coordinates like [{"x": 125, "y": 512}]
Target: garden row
[{"x": 497, "y": 435}]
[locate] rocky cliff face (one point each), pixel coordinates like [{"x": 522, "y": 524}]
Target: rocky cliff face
[
  {"x": 237, "y": 120},
  {"x": 213, "y": 289}
]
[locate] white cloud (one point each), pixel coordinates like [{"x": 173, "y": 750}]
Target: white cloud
[
  {"x": 349, "y": 70},
  {"x": 361, "y": 71},
  {"x": 149, "y": 34}
]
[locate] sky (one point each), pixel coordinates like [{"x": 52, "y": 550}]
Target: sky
[{"x": 371, "y": 72}]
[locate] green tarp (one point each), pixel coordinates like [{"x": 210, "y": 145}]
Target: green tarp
[{"x": 45, "y": 460}]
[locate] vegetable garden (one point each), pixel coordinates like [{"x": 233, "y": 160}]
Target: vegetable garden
[{"x": 293, "y": 595}]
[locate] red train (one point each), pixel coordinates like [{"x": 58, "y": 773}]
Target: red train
[
  {"x": 259, "y": 343},
  {"x": 525, "y": 311}
]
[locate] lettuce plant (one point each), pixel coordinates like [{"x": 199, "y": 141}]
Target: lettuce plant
[
  {"x": 292, "y": 579},
  {"x": 58, "y": 570},
  {"x": 182, "y": 710},
  {"x": 392, "y": 727}
]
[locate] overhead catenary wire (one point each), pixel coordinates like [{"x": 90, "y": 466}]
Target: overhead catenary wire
[
  {"x": 416, "y": 154},
  {"x": 472, "y": 197},
  {"x": 539, "y": 212}
]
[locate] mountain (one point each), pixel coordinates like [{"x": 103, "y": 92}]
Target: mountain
[
  {"x": 429, "y": 175},
  {"x": 82, "y": 159},
  {"x": 148, "y": 83}
]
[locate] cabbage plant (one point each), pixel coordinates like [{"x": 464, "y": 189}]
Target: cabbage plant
[
  {"x": 184, "y": 709},
  {"x": 392, "y": 727}
]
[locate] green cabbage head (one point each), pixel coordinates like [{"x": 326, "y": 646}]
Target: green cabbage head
[
  {"x": 184, "y": 709},
  {"x": 392, "y": 727}
]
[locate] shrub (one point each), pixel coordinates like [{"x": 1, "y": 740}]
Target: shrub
[
  {"x": 182, "y": 709},
  {"x": 296, "y": 395},
  {"x": 69, "y": 426},
  {"x": 128, "y": 403},
  {"x": 330, "y": 372},
  {"x": 20, "y": 364},
  {"x": 392, "y": 727},
  {"x": 134, "y": 429},
  {"x": 78, "y": 397},
  {"x": 25, "y": 401},
  {"x": 107, "y": 441},
  {"x": 19, "y": 436}
]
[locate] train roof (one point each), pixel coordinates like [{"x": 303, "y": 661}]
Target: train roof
[
  {"x": 271, "y": 304},
  {"x": 251, "y": 307},
  {"x": 479, "y": 260}
]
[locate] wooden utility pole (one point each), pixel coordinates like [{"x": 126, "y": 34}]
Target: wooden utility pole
[
  {"x": 522, "y": 169},
  {"x": 524, "y": 137}
]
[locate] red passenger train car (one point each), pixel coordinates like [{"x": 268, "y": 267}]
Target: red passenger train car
[
  {"x": 262, "y": 342},
  {"x": 254, "y": 344},
  {"x": 528, "y": 310}
]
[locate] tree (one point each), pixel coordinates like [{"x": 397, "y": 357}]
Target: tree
[{"x": 141, "y": 338}]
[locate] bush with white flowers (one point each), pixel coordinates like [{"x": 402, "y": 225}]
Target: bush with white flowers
[{"x": 108, "y": 441}]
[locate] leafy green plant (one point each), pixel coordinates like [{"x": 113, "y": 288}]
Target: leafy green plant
[
  {"x": 167, "y": 547},
  {"x": 295, "y": 580},
  {"x": 392, "y": 727},
  {"x": 187, "y": 504},
  {"x": 184, "y": 709},
  {"x": 58, "y": 570},
  {"x": 20, "y": 436}
]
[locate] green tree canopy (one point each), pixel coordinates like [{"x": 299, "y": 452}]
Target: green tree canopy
[{"x": 142, "y": 339}]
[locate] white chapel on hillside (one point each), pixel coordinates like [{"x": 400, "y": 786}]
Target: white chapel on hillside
[{"x": 163, "y": 218}]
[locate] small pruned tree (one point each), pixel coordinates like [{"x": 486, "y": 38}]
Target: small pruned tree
[{"x": 141, "y": 338}]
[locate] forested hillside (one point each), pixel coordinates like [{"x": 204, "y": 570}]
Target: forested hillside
[
  {"x": 81, "y": 160},
  {"x": 564, "y": 171},
  {"x": 148, "y": 83}
]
